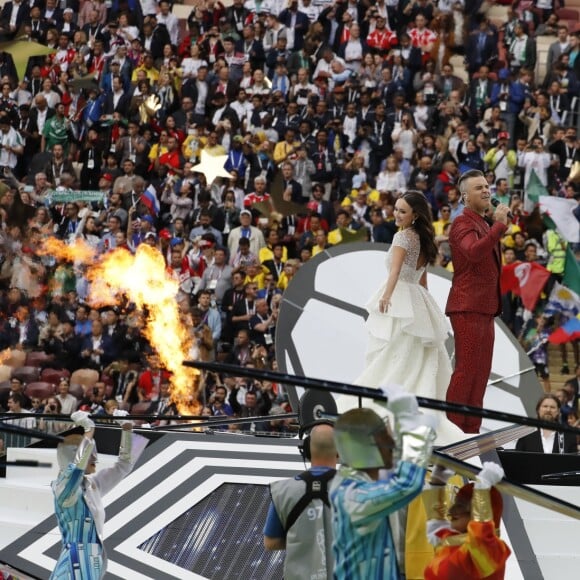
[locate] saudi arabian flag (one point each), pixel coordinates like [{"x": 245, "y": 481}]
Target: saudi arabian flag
[
  {"x": 571, "y": 268},
  {"x": 535, "y": 188}
]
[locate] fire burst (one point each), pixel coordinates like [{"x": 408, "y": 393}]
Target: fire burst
[
  {"x": 5, "y": 355},
  {"x": 142, "y": 279},
  {"x": 78, "y": 251}
]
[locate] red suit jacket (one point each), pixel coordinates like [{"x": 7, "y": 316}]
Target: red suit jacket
[{"x": 476, "y": 256}]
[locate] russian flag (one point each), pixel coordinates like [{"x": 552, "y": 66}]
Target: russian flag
[{"x": 149, "y": 199}]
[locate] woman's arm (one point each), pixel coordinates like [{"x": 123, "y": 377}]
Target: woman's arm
[{"x": 398, "y": 257}]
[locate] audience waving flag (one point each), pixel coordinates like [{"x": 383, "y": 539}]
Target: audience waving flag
[
  {"x": 526, "y": 279},
  {"x": 571, "y": 275},
  {"x": 568, "y": 332},
  {"x": 563, "y": 300},
  {"x": 149, "y": 199},
  {"x": 560, "y": 209}
]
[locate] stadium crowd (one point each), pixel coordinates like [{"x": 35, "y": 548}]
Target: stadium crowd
[{"x": 324, "y": 111}]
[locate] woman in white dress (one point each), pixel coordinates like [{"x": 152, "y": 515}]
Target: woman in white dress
[{"x": 407, "y": 330}]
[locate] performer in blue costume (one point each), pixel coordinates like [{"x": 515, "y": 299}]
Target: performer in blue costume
[
  {"x": 363, "y": 494},
  {"x": 78, "y": 493}
]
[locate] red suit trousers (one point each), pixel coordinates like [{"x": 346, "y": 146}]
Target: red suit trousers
[{"x": 474, "y": 337}]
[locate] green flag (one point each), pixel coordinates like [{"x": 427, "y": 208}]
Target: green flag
[
  {"x": 535, "y": 188},
  {"x": 70, "y": 195},
  {"x": 571, "y": 267},
  {"x": 571, "y": 271}
]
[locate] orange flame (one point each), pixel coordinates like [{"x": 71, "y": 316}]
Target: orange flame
[
  {"x": 143, "y": 280},
  {"x": 79, "y": 250}
]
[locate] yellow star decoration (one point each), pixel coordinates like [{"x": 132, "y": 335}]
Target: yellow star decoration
[{"x": 211, "y": 166}]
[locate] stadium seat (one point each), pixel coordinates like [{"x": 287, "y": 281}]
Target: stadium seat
[
  {"x": 140, "y": 408},
  {"x": 26, "y": 374},
  {"x": 4, "y": 386},
  {"x": 568, "y": 14},
  {"x": 498, "y": 15},
  {"x": 85, "y": 377},
  {"x": 15, "y": 359},
  {"x": 40, "y": 389},
  {"x": 5, "y": 373},
  {"x": 76, "y": 390},
  {"x": 54, "y": 375},
  {"x": 38, "y": 358}
]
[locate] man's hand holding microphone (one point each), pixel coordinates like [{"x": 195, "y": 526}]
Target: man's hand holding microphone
[{"x": 502, "y": 211}]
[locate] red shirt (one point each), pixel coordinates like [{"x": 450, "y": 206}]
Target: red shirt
[
  {"x": 382, "y": 39},
  {"x": 172, "y": 158},
  {"x": 149, "y": 382},
  {"x": 255, "y": 198}
]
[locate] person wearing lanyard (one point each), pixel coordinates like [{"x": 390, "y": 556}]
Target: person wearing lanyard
[
  {"x": 236, "y": 160},
  {"x": 546, "y": 440},
  {"x": 210, "y": 315},
  {"x": 218, "y": 277}
]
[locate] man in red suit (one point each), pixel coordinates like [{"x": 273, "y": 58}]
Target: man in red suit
[{"x": 475, "y": 297}]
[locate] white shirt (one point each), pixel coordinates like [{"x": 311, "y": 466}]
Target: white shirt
[
  {"x": 312, "y": 11},
  {"x": 242, "y": 109},
  {"x": 518, "y": 50},
  {"x": 548, "y": 440},
  {"x": 41, "y": 119},
  {"x": 391, "y": 181},
  {"x": 14, "y": 14},
  {"x": 171, "y": 24},
  {"x": 12, "y": 138},
  {"x": 190, "y": 66},
  {"x": 349, "y": 126},
  {"x": 116, "y": 98},
  {"x": 201, "y": 98}
]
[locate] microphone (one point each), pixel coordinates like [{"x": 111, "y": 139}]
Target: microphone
[{"x": 495, "y": 202}]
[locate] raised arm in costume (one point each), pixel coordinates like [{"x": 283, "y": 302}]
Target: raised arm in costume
[
  {"x": 362, "y": 497},
  {"x": 468, "y": 544},
  {"x": 78, "y": 493}
]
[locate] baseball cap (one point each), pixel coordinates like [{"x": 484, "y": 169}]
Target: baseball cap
[
  {"x": 107, "y": 176},
  {"x": 503, "y": 135},
  {"x": 246, "y": 212},
  {"x": 150, "y": 235},
  {"x": 165, "y": 234}
]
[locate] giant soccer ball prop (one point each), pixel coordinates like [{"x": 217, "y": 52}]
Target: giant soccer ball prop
[{"x": 321, "y": 332}]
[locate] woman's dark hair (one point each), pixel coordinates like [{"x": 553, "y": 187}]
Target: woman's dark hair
[{"x": 423, "y": 223}]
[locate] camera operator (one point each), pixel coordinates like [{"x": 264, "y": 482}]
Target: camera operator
[
  {"x": 299, "y": 519},
  {"x": 94, "y": 399}
]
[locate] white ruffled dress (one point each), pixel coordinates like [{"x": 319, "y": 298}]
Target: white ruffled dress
[{"x": 406, "y": 344}]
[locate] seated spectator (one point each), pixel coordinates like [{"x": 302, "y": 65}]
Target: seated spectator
[
  {"x": 68, "y": 403},
  {"x": 16, "y": 388},
  {"x": 546, "y": 440},
  {"x": 94, "y": 400},
  {"x": 16, "y": 402}
]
